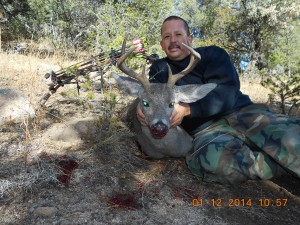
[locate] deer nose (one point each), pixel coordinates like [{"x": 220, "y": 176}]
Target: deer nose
[{"x": 159, "y": 129}]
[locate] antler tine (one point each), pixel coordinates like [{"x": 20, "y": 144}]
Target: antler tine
[
  {"x": 122, "y": 66},
  {"x": 195, "y": 58}
]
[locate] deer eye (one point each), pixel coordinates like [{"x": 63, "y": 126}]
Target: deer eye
[
  {"x": 145, "y": 103},
  {"x": 171, "y": 105}
]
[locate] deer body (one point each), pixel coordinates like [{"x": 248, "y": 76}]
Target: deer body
[{"x": 159, "y": 139}]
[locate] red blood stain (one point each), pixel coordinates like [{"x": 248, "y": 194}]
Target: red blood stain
[
  {"x": 184, "y": 194},
  {"x": 66, "y": 167},
  {"x": 123, "y": 201}
]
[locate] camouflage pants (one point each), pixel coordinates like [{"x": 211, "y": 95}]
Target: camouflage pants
[{"x": 253, "y": 143}]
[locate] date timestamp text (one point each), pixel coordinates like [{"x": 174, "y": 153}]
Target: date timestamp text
[{"x": 240, "y": 202}]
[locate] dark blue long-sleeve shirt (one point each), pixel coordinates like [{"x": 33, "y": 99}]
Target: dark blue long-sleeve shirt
[{"x": 215, "y": 67}]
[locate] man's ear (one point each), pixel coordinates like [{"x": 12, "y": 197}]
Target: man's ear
[
  {"x": 162, "y": 45},
  {"x": 190, "y": 40}
]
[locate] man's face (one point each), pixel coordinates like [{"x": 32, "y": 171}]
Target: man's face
[{"x": 173, "y": 35}]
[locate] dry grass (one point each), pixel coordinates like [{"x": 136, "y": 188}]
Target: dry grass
[
  {"x": 260, "y": 94},
  {"x": 26, "y": 73},
  {"x": 256, "y": 91}
]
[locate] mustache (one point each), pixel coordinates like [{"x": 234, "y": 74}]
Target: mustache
[{"x": 173, "y": 45}]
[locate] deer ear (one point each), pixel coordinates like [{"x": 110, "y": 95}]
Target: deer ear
[
  {"x": 192, "y": 92},
  {"x": 129, "y": 85}
]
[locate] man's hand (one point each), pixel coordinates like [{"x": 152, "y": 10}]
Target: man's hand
[
  {"x": 140, "y": 116},
  {"x": 180, "y": 110}
]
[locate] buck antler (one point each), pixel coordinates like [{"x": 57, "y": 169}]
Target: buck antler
[
  {"x": 122, "y": 66},
  {"x": 195, "y": 58}
]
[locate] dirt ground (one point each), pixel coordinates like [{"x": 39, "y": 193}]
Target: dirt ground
[
  {"x": 77, "y": 163},
  {"x": 74, "y": 164}
]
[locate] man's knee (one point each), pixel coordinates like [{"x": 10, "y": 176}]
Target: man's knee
[
  {"x": 224, "y": 176},
  {"x": 220, "y": 160}
]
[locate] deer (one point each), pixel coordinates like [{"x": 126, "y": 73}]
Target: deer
[{"x": 159, "y": 140}]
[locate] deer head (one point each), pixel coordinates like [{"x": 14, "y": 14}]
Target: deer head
[{"x": 157, "y": 100}]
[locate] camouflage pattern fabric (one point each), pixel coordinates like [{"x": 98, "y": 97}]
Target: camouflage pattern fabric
[{"x": 252, "y": 143}]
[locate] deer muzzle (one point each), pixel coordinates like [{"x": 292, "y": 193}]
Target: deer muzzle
[{"x": 159, "y": 130}]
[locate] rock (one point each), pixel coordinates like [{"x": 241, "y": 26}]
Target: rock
[
  {"x": 14, "y": 106},
  {"x": 45, "y": 211},
  {"x": 98, "y": 84},
  {"x": 71, "y": 133},
  {"x": 43, "y": 68}
]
